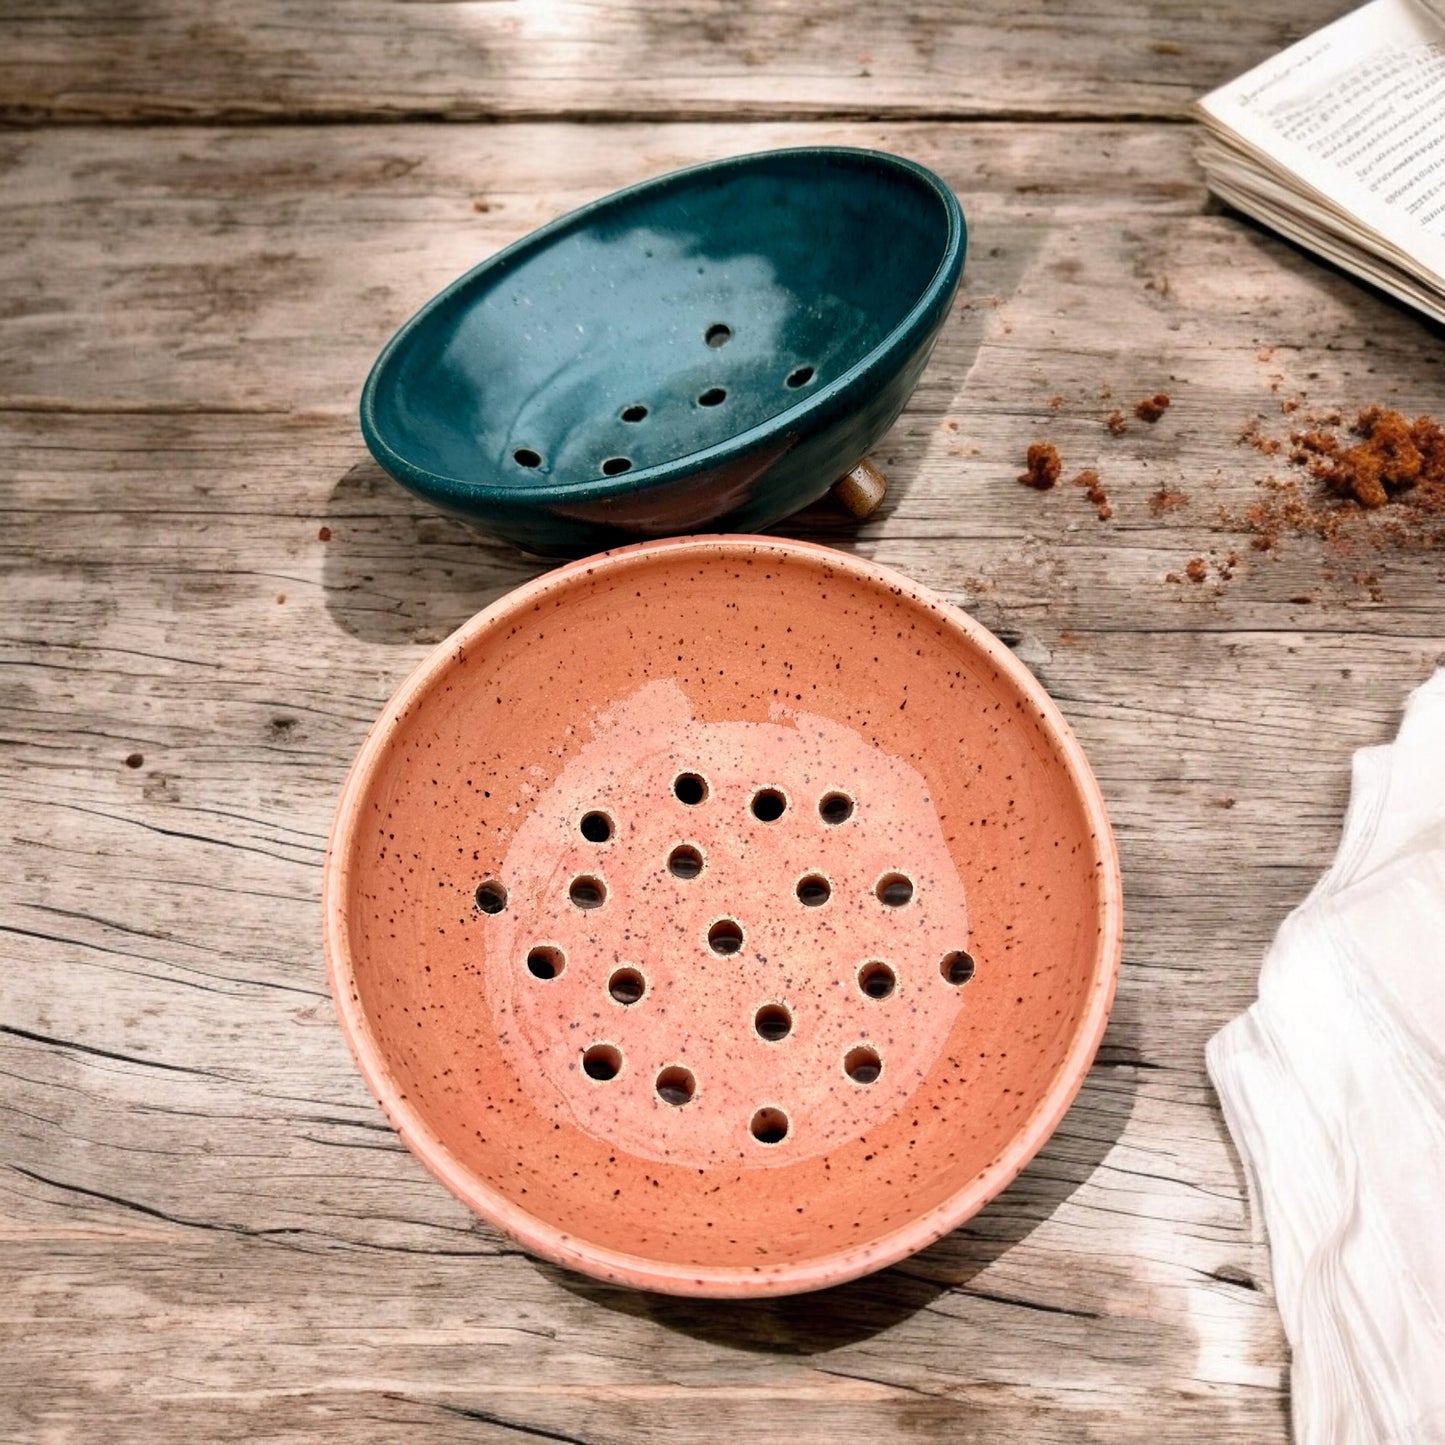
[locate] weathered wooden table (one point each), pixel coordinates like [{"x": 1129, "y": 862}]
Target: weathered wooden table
[{"x": 212, "y": 219}]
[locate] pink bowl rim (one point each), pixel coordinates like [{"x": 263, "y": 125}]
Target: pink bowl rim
[{"x": 727, "y": 1281}]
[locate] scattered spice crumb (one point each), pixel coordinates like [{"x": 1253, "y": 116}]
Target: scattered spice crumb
[
  {"x": 1172, "y": 577},
  {"x": 1224, "y": 802},
  {"x": 1044, "y": 466},
  {"x": 1094, "y": 490},
  {"x": 134, "y": 760},
  {"x": 1197, "y": 569},
  {"x": 1265, "y": 353},
  {"x": 1055, "y": 402},
  {"x": 1303, "y": 599},
  {"x": 481, "y": 207},
  {"x": 1228, "y": 565},
  {"x": 1394, "y": 455},
  {"x": 1166, "y": 500},
  {"x": 1151, "y": 408},
  {"x": 323, "y": 534},
  {"x": 1116, "y": 423},
  {"x": 1370, "y": 581},
  {"x": 1290, "y": 405},
  {"x": 1384, "y": 467},
  {"x": 950, "y": 424}
]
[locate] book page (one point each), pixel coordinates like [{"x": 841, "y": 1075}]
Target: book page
[{"x": 1357, "y": 113}]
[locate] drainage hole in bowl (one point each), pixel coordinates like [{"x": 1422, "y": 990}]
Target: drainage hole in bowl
[
  {"x": 894, "y": 889},
  {"x": 769, "y": 1126},
  {"x": 602, "y": 1061},
  {"x": 957, "y": 967},
  {"x": 877, "y": 980},
  {"x": 615, "y": 466},
  {"x": 526, "y": 457},
  {"x": 725, "y": 936},
  {"x": 862, "y": 1064},
  {"x": 684, "y": 861},
  {"x": 718, "y": 334},
  {"x": 676, "y": 1085},
  {"x": 596, "y": 827},
  {"x": 801, "y": 376},
  {"x": 689, "y": 788},
  {"x": 713, "y": 396},
  {"x": 627, "y": 985},
  {"x": 814, "y": 890},
  {"x": 588, "y": 892},
  {"x": 545, "y": 962},
  {"x": 769, "y": 805},
  {"x": 491, "y": 896},
  {"x": 835, "y": 808},
  {"x": 635, "y": 412},
  {"x": 773, "y": 1022}
]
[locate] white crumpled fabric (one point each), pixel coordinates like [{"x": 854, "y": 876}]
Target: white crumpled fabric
[{"x": 1333, "y": 1085}]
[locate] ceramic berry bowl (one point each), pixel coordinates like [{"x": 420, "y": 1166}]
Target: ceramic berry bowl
[
  {"x": 724, "y": 916},
  {"x": 716, "y": 347}
]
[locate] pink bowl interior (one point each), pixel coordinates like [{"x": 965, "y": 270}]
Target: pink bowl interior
[{"x": 511, "y": 1046}]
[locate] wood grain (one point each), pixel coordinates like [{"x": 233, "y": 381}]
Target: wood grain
[
  {"x": 208, "y": 590},
  {"x": 116, "y": 60}
]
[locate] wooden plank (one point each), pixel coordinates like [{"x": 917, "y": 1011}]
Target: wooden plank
[
  {"x": 263, "y": 269},
  {"x": 703, "y": 59},
  {"x": 209, "y": 1230},
  {"x": 181, "y": 1110}
]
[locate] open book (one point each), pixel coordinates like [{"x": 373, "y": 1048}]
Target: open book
[{"x": 1339, "y": 144}]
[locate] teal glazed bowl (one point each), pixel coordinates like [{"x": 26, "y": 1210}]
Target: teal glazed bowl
[{"x": 709, "y": 350}]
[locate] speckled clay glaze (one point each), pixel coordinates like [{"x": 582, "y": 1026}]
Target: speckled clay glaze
[{"x": 723, "y": 916}]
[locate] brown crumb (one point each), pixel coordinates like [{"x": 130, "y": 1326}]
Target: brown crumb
[
  {"x": 134, "y": 760},
  {"x": 1044, "y": 467},
  {"x": 1290, "y": 405},
  {"x": 949, "y": 424},
  {"x": 1116, "y": 423},
  {"x": 1152, "y": 407},
  {"x": 1370, "y": 581},
  {"x": 1166, "y": 499},
  {"x": 1197, "y": 569},
  {"x": 481, "y": 207},
  {"x": 323, "y": 534},
  {"x": 1224, "y": 802},
  {"x": 1394, "y": 455},
  {"x": 1055, "y": 402},
  {"x": 1094, "y": 490},
  {"x": 1303, "y": 599}
]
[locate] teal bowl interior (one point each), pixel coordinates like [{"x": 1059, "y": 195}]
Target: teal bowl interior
[{"x": 687, "y": 333}]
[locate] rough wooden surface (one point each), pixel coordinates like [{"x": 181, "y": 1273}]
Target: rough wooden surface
[
  {"x": 208, "y": 1230},
  {"x": 701, "y": 59}
]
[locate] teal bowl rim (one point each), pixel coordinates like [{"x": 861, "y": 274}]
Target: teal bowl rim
[{"x": 908, "y": 331}]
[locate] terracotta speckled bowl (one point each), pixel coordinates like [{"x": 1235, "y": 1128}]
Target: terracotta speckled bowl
[{"x": 723, "y": 916}]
